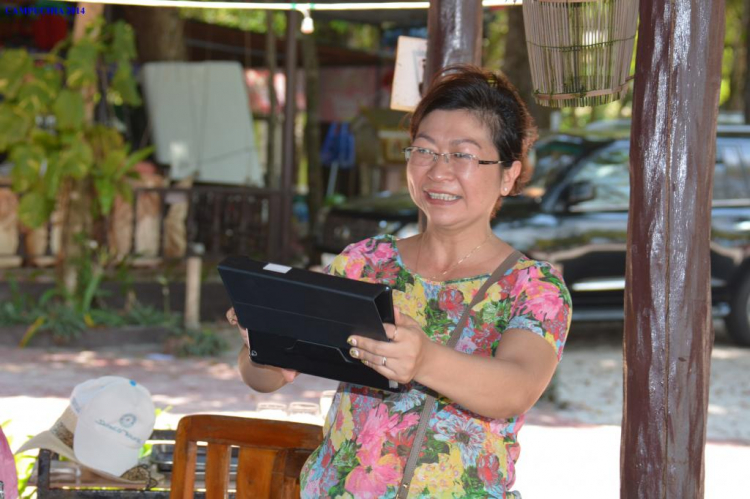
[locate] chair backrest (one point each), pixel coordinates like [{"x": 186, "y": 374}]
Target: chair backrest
[{"x": 271, "y": 456}]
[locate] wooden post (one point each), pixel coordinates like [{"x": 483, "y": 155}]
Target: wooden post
[
  {"x": 454, "y": 36},
  {"x": 288, "y": 143},
  {"x": 193, "y": 288},
  {"x": 312, "y": 130},
  {"x": 668, "y": 326}
]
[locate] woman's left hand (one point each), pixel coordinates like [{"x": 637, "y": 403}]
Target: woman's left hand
[{"x": 400, "y": 359}]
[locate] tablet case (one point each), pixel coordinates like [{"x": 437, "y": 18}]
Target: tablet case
[{"x": 299, "y": 319}]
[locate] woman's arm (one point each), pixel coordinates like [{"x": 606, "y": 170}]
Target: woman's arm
[
  {"x": 258, "y": 377},
  {"x": 499, "y": 387},
  {"x": 262, "y": 378}
]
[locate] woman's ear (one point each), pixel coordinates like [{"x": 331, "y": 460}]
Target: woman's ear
[{"x": 509, "y": 177}]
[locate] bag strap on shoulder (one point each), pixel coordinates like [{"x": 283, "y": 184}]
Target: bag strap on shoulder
[{"x": 424, "y": 418}]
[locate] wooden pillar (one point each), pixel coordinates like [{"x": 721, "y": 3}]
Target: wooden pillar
[
  {"x": 288, "y": 144},
  {"x": 454, "y": 35},
  {"x": 668, "y": 326}
]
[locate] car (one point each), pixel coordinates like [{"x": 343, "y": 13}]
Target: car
[{"x": 574, "y": 213}]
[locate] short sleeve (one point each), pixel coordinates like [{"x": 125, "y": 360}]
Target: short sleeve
[
  {"x": 542, "y": 304},
  {"x": 349, "y": 263}
]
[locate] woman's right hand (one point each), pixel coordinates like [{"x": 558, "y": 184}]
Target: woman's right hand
[{"x": 288, "y": 374}]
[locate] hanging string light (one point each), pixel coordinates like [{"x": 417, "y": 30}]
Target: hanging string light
[{"x": 307, "y": 23}]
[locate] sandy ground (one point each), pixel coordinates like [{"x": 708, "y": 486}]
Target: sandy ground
[{"x": 567, "y": 452}]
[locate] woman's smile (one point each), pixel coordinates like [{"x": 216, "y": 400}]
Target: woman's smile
[{"x": 441, "y": 198}]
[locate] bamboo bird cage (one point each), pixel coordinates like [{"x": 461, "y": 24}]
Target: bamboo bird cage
[{"x": 580, "y": 50}]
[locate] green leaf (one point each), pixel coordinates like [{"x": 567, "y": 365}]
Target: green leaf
[
  {"x": 14, "y": 65},
  {"x": 81, "y": 64},
  {"x": 27, "y": 164},
  {"x": 105, "y": 190},
  {"x": 122, "y": 48},
  {"x": 136, "y": 158},
  {"x": 44, "y": 139},
  {"x": 52, "y": 177},
  {"x": 125, "y": 191},
  {"x": 124, "y": 84},
  {"x": 38, "y": 93},
  {"x": 76, "y": 160},
  {"x": 14, "y": 125},
  {"x": 69, "y": 110},
  {"x": 34, "y": 209},
  {"x": 112, "y": 163}
]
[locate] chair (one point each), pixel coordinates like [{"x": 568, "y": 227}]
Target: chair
[{"x": 271, "y": 456}]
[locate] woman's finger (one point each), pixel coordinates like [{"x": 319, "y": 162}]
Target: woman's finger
[
  {"x": 377, "y": 365},
  {"x": 289, "y": 375},
  {"x": 231, "y": 316}
]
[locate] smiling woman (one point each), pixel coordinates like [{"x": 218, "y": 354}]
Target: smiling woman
[{"x": 478, "y": 330}]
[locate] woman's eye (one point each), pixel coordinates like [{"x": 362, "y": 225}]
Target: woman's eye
[
  {"x": 420, "y": 150},
  {"x": 463, "y": 156}
]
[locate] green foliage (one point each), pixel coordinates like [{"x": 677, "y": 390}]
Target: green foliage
[
  {"x": 248, "y": 20},
  {"x": 46, "y": 159},
  {"x": 199, "y": 343}
]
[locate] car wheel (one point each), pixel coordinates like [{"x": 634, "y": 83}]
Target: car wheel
[{"x": 738, "y": 320}]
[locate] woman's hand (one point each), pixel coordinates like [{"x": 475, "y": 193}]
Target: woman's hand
[
  {"x": 288, "y": 374},
  {"x": 400, "y": 359}
]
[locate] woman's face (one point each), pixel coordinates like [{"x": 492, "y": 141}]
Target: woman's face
[{"x": 451, "y": 198}]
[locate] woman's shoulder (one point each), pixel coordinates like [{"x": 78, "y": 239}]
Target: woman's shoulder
[
  {"x": 351, "y": 261},
  {"x": 528, "y": 271}
]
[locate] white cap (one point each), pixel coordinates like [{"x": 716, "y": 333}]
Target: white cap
[{"x": 115, "y": 418}]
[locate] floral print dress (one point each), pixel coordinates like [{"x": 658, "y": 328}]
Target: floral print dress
[{"x": 369, "y": 433}]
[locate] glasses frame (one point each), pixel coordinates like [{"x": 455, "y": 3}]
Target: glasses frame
[{"x": 408, "y": 150}]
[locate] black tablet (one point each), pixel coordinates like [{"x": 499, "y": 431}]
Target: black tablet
[{"x": 299, "y": 319}]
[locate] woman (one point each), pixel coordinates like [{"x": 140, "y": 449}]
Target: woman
[{"x": 470, "y": 135}]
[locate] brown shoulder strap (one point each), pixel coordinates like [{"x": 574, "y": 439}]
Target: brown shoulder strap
[{"x": 424, "y": 418}]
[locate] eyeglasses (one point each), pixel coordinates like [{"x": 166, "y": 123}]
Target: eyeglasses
[{"x": 461, "y": 162}]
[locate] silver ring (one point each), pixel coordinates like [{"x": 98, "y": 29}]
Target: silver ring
[{"x": 383, "y": 363}]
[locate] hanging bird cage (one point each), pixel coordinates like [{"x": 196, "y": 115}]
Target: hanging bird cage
[{"x": 580, "y": 50}]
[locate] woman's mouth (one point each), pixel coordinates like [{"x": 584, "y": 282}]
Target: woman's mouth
[{"x": 441, "y": 196}]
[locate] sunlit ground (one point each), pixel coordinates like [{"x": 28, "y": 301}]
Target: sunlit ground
[{"x": 568, "y": 450}]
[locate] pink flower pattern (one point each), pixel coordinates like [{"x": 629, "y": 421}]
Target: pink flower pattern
[{"x": 371, "y": 448}]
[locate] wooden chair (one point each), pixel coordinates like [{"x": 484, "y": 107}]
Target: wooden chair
[{"x": 271, "y": 456}]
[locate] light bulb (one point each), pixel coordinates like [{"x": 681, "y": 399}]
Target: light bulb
[{"x": 307, "y": 24}]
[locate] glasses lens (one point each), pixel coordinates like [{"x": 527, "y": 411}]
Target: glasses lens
[
  {"x": 419, "y": 157},
  {"x": 461, "y": 162}
]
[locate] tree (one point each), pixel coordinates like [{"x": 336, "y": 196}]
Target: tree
[
  {"x": 161, "y": 33},
  {"x": 74, "y": 165}
]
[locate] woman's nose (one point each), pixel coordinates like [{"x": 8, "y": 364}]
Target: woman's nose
[{"x": 441, "y": 168}]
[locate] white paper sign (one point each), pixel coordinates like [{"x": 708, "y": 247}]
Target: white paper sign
[{"x": 410, "y": 58}]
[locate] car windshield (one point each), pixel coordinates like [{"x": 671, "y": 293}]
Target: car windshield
[{"x": 548, "y": 160}]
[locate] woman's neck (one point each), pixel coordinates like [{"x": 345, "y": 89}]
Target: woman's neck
[{"x": 442, "y": 249}]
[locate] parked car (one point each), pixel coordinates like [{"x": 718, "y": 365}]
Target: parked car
[{"x": 574, "y": 214}]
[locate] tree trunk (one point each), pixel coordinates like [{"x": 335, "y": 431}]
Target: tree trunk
[
  {"x": 312, "y": 129},
  {"x": 516, "y": 67},
  {"x": 160, "y": 33},
  {"x": 76, "y": 194}
]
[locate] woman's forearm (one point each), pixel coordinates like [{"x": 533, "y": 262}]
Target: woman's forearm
[
  {"x": 498, "y": 388},
  {"x": 260, "y": 378}
]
